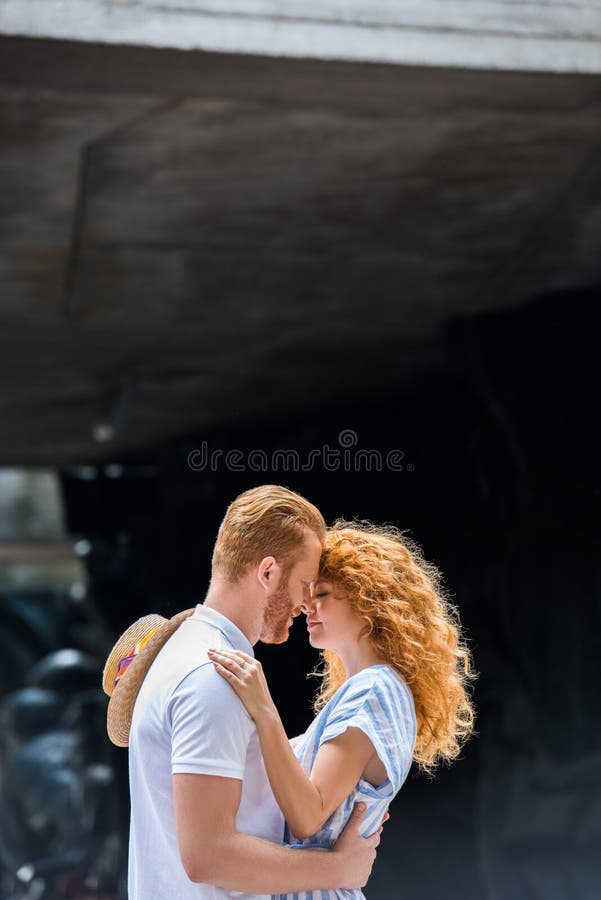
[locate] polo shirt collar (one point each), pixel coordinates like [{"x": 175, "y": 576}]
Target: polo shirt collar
[{"x": 236, "y": 637}]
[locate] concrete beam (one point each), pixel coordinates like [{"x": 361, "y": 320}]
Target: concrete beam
[{"x": 541, "y": 35}]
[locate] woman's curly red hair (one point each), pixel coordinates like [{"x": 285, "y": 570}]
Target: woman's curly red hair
[{"x": 411, "y": 624}]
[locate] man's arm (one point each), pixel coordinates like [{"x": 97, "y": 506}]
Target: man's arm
[{"x": 214, "y": 852}]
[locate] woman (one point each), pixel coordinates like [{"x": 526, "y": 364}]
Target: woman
[{"x": 393, "y": 690}]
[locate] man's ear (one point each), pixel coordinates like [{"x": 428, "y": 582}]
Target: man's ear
[{"x": 267, "y": 573}]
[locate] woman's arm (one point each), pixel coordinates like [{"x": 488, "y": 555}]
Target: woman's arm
[{"x": 306, "y": 801}]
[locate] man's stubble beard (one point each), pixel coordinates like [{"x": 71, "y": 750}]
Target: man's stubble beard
[{"x": 277, "y": 614}]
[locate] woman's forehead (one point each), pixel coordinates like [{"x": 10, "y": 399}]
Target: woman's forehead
[{"x": 321, "y": 582}]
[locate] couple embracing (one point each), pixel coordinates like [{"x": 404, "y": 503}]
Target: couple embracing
[{"x": 223, "y": 804}]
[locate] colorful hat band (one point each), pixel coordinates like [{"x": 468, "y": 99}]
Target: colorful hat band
[{"x": 127, "y": 660}]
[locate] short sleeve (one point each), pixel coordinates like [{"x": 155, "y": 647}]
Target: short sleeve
[
  {"x": 381, "y": 705},
  {"x": 210, "y": 728}
]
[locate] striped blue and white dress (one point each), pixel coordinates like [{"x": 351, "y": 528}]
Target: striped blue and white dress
[{"x": 378, "y": 701}]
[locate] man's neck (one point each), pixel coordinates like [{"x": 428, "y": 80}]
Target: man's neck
[{"x": 235, "y": 603}]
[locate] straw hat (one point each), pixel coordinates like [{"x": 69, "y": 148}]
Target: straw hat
[{"x": 127, "y": 665}]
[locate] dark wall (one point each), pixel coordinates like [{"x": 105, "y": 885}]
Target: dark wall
[{"x": 500, "y": 484}]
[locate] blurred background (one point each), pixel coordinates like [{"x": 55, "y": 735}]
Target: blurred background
[{"x": 355, "y": 251}]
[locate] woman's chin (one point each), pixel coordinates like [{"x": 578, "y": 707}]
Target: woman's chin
[{"x": 316, "y": 643}]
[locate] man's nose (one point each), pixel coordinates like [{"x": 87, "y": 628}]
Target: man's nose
[{"x": 308, "y": 601}]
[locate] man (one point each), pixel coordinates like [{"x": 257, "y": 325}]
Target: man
[{"x": 204, "y": 821}]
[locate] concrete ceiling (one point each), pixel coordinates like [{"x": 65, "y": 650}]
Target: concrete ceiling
[{"x": 195, "y": 239}]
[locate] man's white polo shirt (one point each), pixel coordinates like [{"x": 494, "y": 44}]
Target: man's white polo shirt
[{"x": 188, "y": 719}]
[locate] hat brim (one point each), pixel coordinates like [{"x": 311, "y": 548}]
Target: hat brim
[{"x": 125, "y": 692}]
